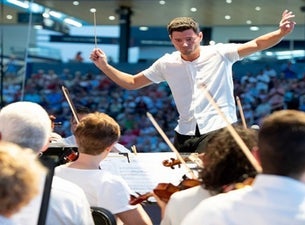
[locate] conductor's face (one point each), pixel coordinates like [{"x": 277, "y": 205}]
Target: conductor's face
[{"x": 187, "y": 42}]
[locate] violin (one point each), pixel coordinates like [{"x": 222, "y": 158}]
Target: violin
[
  {"x": 172, "y": 162},
  {"x": 193, "y": 157},
  {"x": 165, "y": 190}
]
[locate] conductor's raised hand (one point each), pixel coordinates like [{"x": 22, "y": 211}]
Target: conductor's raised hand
[
  {"x": 287, "y": 24},
  {"x": 98, "y": 57}
]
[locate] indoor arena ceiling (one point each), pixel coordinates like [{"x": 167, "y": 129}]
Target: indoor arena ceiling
[{"x": 152, "y": 13}]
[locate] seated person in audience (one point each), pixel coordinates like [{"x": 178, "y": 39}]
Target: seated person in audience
[
  {"x": 78, "y": 57},
  {"x": 19, "y": 174},
  {"x": 95, "y": 136},
  {"x": 28, "y": 125},
  {"x": 277, "y": 195},
  {"x": 69, "y": 141},
  {"x": 224, "y": 166}
]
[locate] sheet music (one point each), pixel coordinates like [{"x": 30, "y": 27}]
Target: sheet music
[{"x": 145, "y": 170}]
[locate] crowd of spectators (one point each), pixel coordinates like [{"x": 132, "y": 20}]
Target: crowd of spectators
[{"x": 260, "y": 94}]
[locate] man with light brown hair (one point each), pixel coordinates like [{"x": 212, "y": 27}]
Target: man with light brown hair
[{"x": 95, "y": 136}]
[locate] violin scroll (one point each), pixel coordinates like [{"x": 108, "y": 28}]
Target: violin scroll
[
  {"x": 171, "y": 163},
  {"x": 193, "y": 157}
]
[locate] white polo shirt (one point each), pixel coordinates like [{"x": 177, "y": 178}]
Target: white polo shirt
[{"x": 213, "y": 69}]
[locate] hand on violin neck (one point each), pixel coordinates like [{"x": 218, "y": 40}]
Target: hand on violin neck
[{"x": 162, "y": 204}]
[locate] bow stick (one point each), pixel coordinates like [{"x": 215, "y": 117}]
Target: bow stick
[
  {"x": 93, "y": 10},
  {"x": 241, "y": 112},
  {"x": 172, "y": 147},
  {"x": 233, "y": 132},
  {"x": 67, "y": 96}
]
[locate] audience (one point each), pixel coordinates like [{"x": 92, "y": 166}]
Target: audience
[
  {"x": 95, "y": 136},
  {"x": 277, "y": 196},
  {"x": 98, "y": 93},
  {"x": 136, "y": 129},
  {"x": 28, "y": 125},
  {"x": 225, "y": 166},
  {"x": 19, "y": 175}
]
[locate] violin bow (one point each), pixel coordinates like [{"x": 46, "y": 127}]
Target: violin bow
[
  {"x": 241, "y": 112},
  {"x": 172, "y": 147},
  {"x": 68, "y": 98},
  {"x": 233, "y": 132}
]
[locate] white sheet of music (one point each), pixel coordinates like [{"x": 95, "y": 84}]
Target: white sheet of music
[{"x": 144, "y": 171}]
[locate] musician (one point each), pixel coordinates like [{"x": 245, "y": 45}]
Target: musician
[
  {"x": 277, "y": 196},
  {"x": 95, "y": 136},
  {"x": 69, "y": 141},
  {"x": 224, "y": 165},
  {"x": 28, "y": 125},
  {"x": 19, "y": 175},
  {"x": 190, "y": 67},
  {"x": 81, "y": 112}
]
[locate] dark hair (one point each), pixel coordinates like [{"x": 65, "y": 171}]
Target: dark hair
[
  {"x": 82, "y": 109},
  {"x": 281, "y": 143},
  {"x": 225, "y": 162},
  {"x": 181, "y": 24}
]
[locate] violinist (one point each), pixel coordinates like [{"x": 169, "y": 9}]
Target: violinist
[
  {"x": 69, "y": 141},
  {"x": 277, "y": 195},
  {"x": 224, "y": 163},
  {"x": 28, "y": 125},
  {"x": 95, "y": 136}
]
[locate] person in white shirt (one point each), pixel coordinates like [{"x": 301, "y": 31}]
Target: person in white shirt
[
  {"x": 277, "y": 195},
  {"x": 28, "y": 125},
  {"x": 20, "y": 173},
  {"x": 225, "y": 165},
  {"x": 95, "y": 136},
  {"x": 70, "y": 141},
  {"x": 191, "y": 67}
]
